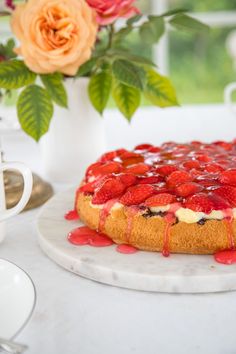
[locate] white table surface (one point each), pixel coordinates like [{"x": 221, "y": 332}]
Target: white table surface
[{"x": 75, "y": 315}]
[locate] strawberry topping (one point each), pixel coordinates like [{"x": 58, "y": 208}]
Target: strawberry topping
[
  {"x": 227, "y": 193},
  {"x": 188, "y": 188},
  {"x": 138, "y": 169},
  {"x": 199, "y": 202},
  {"x": 137, "y": 194},
  {"x": 111, "y": 188},
  {"x": 160, "y": 199},
  {"x": 201, "y": 177},
  {"x": 228, "y": 177},
  {"x": 178, "y": 177}
]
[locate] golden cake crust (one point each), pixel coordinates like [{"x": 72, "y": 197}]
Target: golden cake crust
[{"x": 148, "y": 233}]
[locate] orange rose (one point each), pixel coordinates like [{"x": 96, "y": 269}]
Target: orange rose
[{"x": 54, "y": 35}]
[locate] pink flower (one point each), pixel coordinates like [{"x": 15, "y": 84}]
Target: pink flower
[
  {"x": 110, "y": 10},
  {"x": 10, "y": 4},
  {"x": 6, "y": 5}
]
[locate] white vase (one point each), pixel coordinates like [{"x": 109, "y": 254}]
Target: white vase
[{"x": 76, "y": 136}]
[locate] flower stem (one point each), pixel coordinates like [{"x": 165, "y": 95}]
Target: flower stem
[{"x": 111, "y": 34}]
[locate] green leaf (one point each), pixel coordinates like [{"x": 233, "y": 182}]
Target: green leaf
[
  {"x": 14, "y": 74},
  {"x": 187, "y": 23},
  {"x": 121, "y": 34},
  {"x": 129, "y": 73},
  {"x": 127, "y": 98},
  {"x": 87, "y": 67},
  {"x": 99, "y": 90},
  {"x": 152, "y": 30},
  {"x": 118, "y": 53},
  {"x": 139, "y": 59},
  {"x": 6, "y": 50},
  {"x": 134, "y": 19},
  {"x": 54, "y": 85},
  {"x": 35, "y": 110},
  {"x": 159, "y": 90},
  {"x": 173, "y": 12}
]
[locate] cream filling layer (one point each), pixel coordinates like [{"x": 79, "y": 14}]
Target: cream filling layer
[{"x": 183, "y": 214}]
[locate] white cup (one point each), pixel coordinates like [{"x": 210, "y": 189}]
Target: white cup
[
  {"x": 229, "y": 89},
  {"x": 28, "y": 183}
]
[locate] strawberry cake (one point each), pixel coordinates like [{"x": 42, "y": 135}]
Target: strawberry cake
[{"x": 173, "y": 198}]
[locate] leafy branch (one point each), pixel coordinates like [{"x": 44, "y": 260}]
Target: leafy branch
[{"x": 112, "y": 69}]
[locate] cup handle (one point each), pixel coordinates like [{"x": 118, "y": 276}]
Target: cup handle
[
  {"x": 28, "y": 183},
  {"x": 228, "y": 96}
]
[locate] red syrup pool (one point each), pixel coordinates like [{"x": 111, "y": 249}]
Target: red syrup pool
[
  {"x": 72, "y": 215},
  {"x": 225, "y": 257},
  {"x": 85, "y": 236},
  {"x": 126, "y": 249}
]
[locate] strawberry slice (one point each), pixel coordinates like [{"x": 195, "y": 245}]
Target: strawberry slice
[
  {"x": 129, "y": 155},
  {"x": 111, "y": 188},
  {"x": 228, "y": 193},
  {"x": 109, "y": 156},
  {"x": 150, "y": 180},
  {"x": 218, "y": 202},
  {"x": 213, "y": 167},
  {"x": 91, "y": 186},
  {"x": 138, "y": 169},
  {"x": 204, "y": 158},
  {"x": 87, "y": 188},
  {"x": 188, "y": 188},
  {"x": 128, "y": 179},
  {"x": 226, "y": 146},
  {"x": 199, "y": 202},
  {"x": 228, "y": 177},
  {"x": 143, "y": 147},
  {"x": 137, "y": 194},
  {"x": 89, "y": 171},
  {"x": 154, "y": 149},
  {"x": 166, "y": 170},
  {"x": 189, "y": 165},
  {"x": 106, "y": 168},
  {"x": 178, "y": 177},
  {"x": 160, "y": 200}
]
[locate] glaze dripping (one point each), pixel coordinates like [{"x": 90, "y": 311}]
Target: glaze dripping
[{"x": 72, "y": 215}]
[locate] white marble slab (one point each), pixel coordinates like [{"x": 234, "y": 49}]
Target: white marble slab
[{"x": 147, "y": 271}]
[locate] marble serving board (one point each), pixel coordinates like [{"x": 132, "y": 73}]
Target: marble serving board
[{"x": 146, "y": 271}]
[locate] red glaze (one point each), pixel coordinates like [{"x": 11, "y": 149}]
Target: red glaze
[
  {"x": 72, "y": 215},
  {"x": 226, "y": 257},
  {"x": 126, "y": 249},
  {"x": 170, "y": 220},
  {"x": 228, "y": 220},
  {"x": 104, "y": 213},
  {"x": 85, "y": 236},
  {"x": 131, "y": 212}
]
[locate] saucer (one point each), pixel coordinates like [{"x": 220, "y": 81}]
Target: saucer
[{"x": 17, "y": 299}]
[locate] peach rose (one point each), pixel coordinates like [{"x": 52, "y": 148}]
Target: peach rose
[
  {"x": 110, "y": 10},
  {"x": 54, "y": 35}
]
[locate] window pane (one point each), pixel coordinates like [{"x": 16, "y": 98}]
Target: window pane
[
  {"x": 201, "y": 66},
  {"x": 144, "y": 6},
  {"x": 206, "y": 5}
]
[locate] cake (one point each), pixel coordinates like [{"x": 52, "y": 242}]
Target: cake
[{"x": 173, "y": 198}]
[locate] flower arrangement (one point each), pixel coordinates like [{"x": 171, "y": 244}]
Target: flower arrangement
[{"x": 74, "y": 38}]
